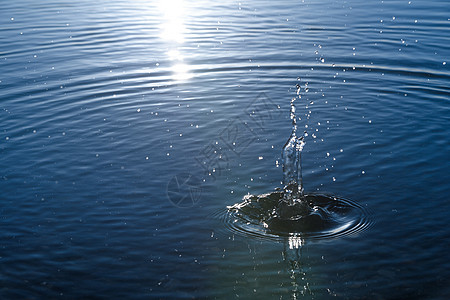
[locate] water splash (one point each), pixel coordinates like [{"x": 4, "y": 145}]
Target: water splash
[
  {"x": 290, "y": 212},
  {"x": 292, "y": 162}
]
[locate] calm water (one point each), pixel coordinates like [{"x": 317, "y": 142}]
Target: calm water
[{"x": 126, "y": 128}]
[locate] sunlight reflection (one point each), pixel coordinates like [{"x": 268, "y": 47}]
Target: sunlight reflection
[
  {"x": 181, "y": 72},
  {"x": 173, "y": 28},
  {"x": 173, "y": 31},
  {"x": 175, "y": 55}
]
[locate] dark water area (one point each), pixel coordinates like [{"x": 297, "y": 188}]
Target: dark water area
[{"x": 128, "y": 127}]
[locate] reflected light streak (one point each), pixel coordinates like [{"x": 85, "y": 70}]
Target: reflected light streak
[
  {"x": 181, "y": 72},
  {"x": 175, "y": 55},
  {"x": 173, "y": 30}
]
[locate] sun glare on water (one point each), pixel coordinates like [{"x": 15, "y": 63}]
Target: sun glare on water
[{"x": 173, "y": 32}]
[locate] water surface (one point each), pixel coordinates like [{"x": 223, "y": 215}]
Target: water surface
[{"x": 106, "y": 107}]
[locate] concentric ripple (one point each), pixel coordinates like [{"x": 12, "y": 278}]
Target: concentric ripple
[{"x": 318, "y": 216}]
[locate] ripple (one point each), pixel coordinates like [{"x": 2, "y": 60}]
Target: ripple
[{"x": 267, "y": 217}]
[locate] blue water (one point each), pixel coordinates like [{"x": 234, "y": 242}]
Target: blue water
[{"x": 106, "y": 109}]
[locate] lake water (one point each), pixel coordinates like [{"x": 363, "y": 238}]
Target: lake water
[{"x": 127, "y": 128}]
